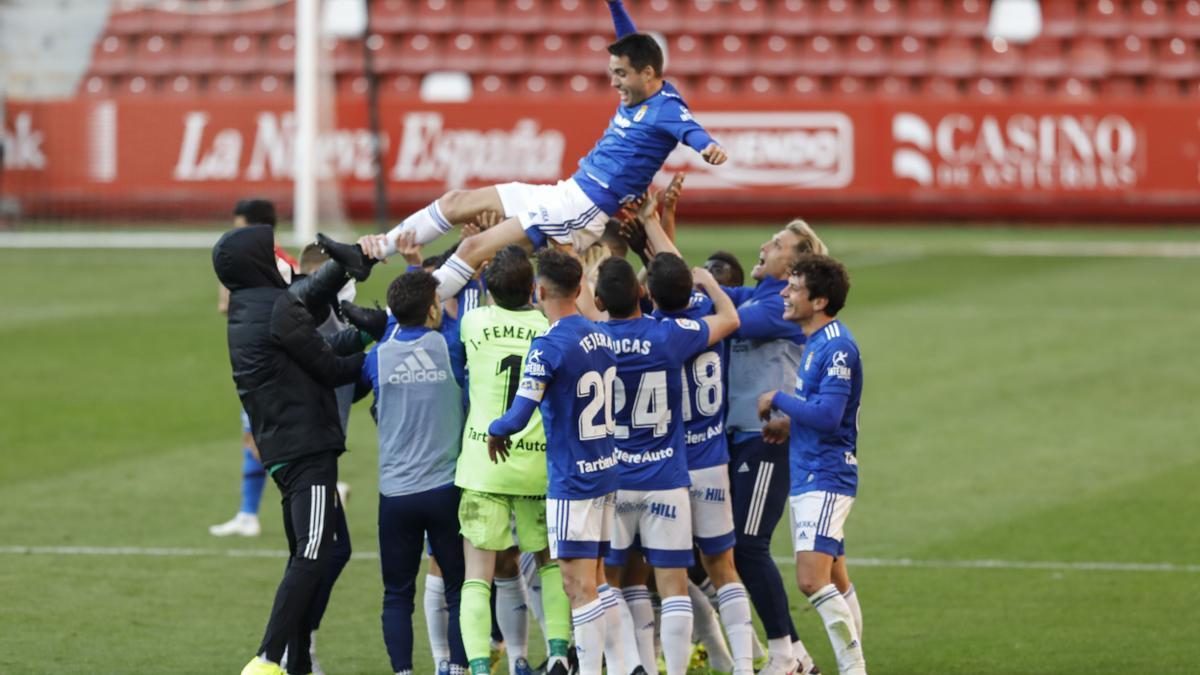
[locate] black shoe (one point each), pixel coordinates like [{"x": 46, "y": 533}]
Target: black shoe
[
  {"x": 558, "y": 669},
  {"x": 638, "y": 671},
  {"x": 373, "y": 322},
  {"x": 349, "y": 256},
  {"x": 573, "y": 660}
]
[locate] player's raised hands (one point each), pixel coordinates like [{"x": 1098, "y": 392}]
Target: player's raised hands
[
  {"x": 372, "y": 245},
  {"x": 485, "y": 220},
  {"x": 714, "y": 154},
  {"x": 498, "y": 448},
  {"x": 704, "y": 279},
  {"x": 407, "y": 246},
  {"x": 670, "y": 196},
  {"x": 765, "y": 405}
]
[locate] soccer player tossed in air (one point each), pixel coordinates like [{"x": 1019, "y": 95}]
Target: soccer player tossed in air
[
  {"x": 497, "y": 338},
  {"x": 823, "y": 444},
  {"x": 568, "y": 375},
  {"x": 653, "y": 503},
  {"x": 651, "y": 119}
]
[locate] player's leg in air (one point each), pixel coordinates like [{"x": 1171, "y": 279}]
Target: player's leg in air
[{"x": 254, "y": 478}]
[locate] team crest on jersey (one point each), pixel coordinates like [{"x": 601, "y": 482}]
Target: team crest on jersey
[
  {"x": 687, "y": 324},
  {"x": 641, "y": 113}
]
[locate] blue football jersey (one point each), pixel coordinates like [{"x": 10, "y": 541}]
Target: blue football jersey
[
  {"x": 828, "y": 461},
  {"x": 647, "y": 399},
  {"x": 635, "y": 145},
  {"x": 703, "y": 399},
  {"x": 571, "y": 372}
]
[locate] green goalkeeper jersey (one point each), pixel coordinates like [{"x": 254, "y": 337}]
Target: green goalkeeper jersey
[{"x": 496, "y": 341}]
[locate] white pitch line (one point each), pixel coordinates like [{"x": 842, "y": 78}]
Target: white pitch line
[
  {"x": 169, "y": 552},
  {"x": 1093, "y": 249},
  {"x": 108, "y": 240}
]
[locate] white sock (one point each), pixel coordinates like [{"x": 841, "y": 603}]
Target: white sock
[
  {"x": 637, "y": 598},
  {"x": 801, "y": 653},
  {"x": 436, "y": 619},
  {"x": 851, "y": 597},
  {"x": 428, "y": 223},
  {"x": 677, "y": 633},
  {"x": 780, "y": 648},
  {"x": 533, "y": 589},
  {"x": 735, "y": 615},
  {"x": 759, "y": 649},
  {"x": 708, "y": 631},
  {"x": 839, "y": 624},
  {"x": 513, "y": 617},
  {"x": 614, "y": 657},
  {"x": 588, "y": 628},
  {"x": 629, "y": 645},
  {"x": 452, "y": 276}
]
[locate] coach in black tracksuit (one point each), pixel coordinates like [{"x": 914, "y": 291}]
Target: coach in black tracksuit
[{"x": 286, "y": 374}]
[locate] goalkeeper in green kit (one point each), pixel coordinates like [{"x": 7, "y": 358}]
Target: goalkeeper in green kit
[{"x": 494, "y": 496}]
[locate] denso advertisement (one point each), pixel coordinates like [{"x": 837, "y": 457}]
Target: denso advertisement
[{"x": 903, "y": 158}]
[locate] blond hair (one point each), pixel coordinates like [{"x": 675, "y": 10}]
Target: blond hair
[{"x": 809, "y": 241}]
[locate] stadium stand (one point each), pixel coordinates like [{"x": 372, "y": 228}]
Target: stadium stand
[{"x": 1087, "y": 48}]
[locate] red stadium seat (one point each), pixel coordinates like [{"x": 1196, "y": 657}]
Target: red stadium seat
[
  {"x": 1104, "y": 18},
  {"x": 1119, "y": 87},
  {"x": 213, "y": 16},
  {"x": 955, "y": 57},
  {"x": 881, "y": 17},
  {"x": 399, "y": 85},
  {"x": 230, "y": 86},
  {"x": 1191, "y": 88},
  {"x": 940, "y": 87},
  {"x": 584, "y": 85},
  {"x": 128, "y": 17},
  {"x": 1177, "y": 59},
  {"x": 969, "y": 18},
  {"x": 477, "y": 16},
  {"x": 97, "y": 85},
  {"x": 837, "y": 17},
  {"x": 1060, "y": 19},
  {"x": 894, "y": 85},
  {"x": 1088, "y": 59},
  {"x": 352, "y": 86},
  {"x": 747, "y": 16},
  {"x": 1075, "y": 89},
  {"x": 112, "y": 56},
  {"x": 436, "y": 16},
  {"x": 704, "y": 16},
  {"x": 392, "y": 16},
  {"x": 731, "y": 55},
  {"x": 197, "y": 54},
  {"x": 1044, "y": 58},
  {"x": 1185, "y": 22},
  {"x": 552, "y": 54},
  {"x": 153, "y": 55},
  {"x": 820, "y": 56},
  {"x": 688, "y": 55},
  {"x": 792, "y": 17},
  {"x": 986, "y": 88},
  {"x": 240, "y": 54},
  {"x": 926, "y": 18},
  {"x": 267, "y": 19},
  {"x": 715, "y": 85},
  {"x": 777, "y": 55},
  {"x": 1000, "y": 58},
  {"x": 523, "y": 16},
  {"x": 269, "y": 84},
  {"x": 347, "y": 56},
  {"x": 657, "y": 15},
  {"x": 170, "y": 17},
  {"x": 418, "y": 53},
  {"x": 761, "y": 85},
  {"x": 909, "y": 56},
  {"x": 537, "y": 85},
  {"x": 508, "y": 53},
  {"x": 281, "y": 54},
  {"x": 138, "y": 85},
  {"x": 463, "y": 52},
  {"x": 806, "y": 85},
  {"x": 1030, "y": 87},
  {"x": 850, "y": 86},
  {"x": 585, "y": 16},
  {"x": 180, "y": 85},
  {"x": 865, "y": 57},
  {"x": 492, "y": 85},
  {"x": 1164, "y": 87},
  {"x": 1131, "y": 56},
  {"x": 1148, "y": 18},
  {"x": 591, "y": 55}
]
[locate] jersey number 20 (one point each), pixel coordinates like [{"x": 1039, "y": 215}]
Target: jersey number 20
[{"x": 599, "y": 390}]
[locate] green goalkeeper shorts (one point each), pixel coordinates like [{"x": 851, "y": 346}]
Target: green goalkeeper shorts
[{"x": 487, "y": 521}]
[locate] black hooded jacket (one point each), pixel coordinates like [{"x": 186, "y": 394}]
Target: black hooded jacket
[{"x": 284, "y": 370}]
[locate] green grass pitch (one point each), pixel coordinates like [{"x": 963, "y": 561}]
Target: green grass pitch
[{"x": 1018, "y": 409}]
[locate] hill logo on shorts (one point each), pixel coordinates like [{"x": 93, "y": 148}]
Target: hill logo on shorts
[
  {"x": 796, "y": 150},
  {"x": 417, "y": 368}
]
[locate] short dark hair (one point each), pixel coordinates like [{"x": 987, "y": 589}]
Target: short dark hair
[
  {"x": 824, "y": 277},
  {"x": 312, "y": 257},
  {"x": 642, "y": 51},
  {"x": 560, "y": 271},
  {"x": 617, "y": 287},
  {"x": 725, "y": 268},
  {"x": 670, "y": 282},
  {"x": 256, "y": 211},
  {"x": 509, "y": 277},
  {"x": 410, "y": 296}
]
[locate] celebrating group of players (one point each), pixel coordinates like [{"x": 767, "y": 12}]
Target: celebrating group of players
[{"x": 607, "y": 424}]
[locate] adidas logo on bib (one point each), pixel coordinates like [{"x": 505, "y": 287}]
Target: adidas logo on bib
[{"x": 417, "y": 368}]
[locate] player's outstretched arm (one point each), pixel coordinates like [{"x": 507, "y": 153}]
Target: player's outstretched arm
[
  {"x": 821, "y": 412},
  {"x": 669, "y": 199},
  {"x": 724, "y": 319},
  {"x": 621, "y": 20},
  {"x": 513, "y": 421}
]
